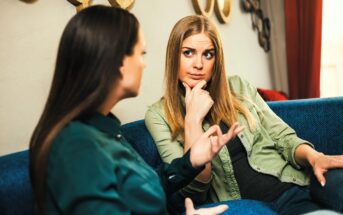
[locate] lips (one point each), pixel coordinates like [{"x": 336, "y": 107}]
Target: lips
[{"x": 196, "y": 76}]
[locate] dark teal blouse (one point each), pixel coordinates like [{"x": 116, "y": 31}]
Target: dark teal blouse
[{"x": 92, "y": 169}]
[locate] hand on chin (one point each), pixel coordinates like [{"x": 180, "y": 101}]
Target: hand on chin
[{"x": 192, "y": 82}]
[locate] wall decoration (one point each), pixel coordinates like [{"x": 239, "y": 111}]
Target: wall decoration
[
  {"x": 81, "y": 4},
  {"x": 28, "y": 1},
  {"x": 259, "y": 22},
  {"x": 222, "y": 9},
  {"x": 125, "y": 4}
]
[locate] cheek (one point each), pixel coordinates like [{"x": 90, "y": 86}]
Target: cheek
[
  {"x": 209, "y": 69},
  {"x": 185, "y": 65}
]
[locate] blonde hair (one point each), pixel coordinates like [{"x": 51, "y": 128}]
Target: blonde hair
[{"x": 226, "y": 105}]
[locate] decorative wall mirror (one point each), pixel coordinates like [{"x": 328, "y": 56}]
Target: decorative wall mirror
[
  {"x": 259, "y": 22},
  {"x": 81, "y": 4},
  {"x": 28, "y": 1},
  {"x": 222, "y": 9}
]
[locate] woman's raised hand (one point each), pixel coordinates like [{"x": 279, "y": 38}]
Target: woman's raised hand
[
  {"x": 209, "y": 144},
  {"x": 198, "y": 101}
]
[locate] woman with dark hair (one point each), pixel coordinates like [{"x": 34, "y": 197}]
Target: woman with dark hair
[
  {"x": 266, "y": 162},
  {"x": 79, "y": 161}
]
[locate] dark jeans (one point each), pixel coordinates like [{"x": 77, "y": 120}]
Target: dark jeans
[{"x": 300, "y": 200}]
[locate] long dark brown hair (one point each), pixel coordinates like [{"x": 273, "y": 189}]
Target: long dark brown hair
[{"x": 90, "y": 53}]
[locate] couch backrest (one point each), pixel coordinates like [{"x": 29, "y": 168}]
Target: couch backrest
[
  {"x": 319, "y": 121},
  {"x": 139, "y": 137}
]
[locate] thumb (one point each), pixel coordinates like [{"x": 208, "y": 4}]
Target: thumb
[{"x": 189, "y": 206}]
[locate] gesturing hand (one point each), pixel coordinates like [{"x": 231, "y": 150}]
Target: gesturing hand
[
  {"x": 210, "y": 143},
  {"x": 203, "y": 211},
  {"x": 198, "y": 101},
  {"x": 323, "y": 163}
]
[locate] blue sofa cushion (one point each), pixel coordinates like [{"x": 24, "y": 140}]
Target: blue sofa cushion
[
  {"x": 15, "y": 187},
  {"x": 139, "y": 137},
  {"x": 246, "y": 207}
]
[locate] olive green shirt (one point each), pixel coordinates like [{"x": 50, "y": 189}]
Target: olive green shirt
[
  {"x": 92, "y": 169},
  {"x": 270, "y": 147}
]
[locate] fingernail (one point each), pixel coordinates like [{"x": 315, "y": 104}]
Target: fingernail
[{"x": 322, "y": 183}]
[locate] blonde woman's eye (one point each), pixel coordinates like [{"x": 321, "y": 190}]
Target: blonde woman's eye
[
  {"x": 187, "y": 53},
  {"x": 208, "y": 55}
]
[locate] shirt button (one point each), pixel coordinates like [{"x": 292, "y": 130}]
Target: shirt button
[
  {"x": 294, "y": 179},
  {"x": 241, "y": 135},
  {"x": 118, "y": 136}
]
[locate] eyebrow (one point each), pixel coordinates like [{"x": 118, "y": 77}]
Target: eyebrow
[{"x": 193, "y": 49}]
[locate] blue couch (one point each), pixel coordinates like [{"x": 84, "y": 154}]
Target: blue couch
[{"x": 318, "y": 120}]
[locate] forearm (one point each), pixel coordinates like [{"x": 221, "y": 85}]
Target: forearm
[
  {"x": 178, "y": 174},
  {"x": 193, "y": 130},
  {"x": 305, "y": 155}
]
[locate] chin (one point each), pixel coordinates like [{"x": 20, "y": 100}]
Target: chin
[
  {"x": 192, "y": 83},
  {"x": 130, "y": 94}
]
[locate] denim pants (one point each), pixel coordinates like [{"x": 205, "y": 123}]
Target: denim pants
[{"x": 300, "y": 200}]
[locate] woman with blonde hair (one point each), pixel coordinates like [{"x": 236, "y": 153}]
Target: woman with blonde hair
[{"x": 264, "y": 162}]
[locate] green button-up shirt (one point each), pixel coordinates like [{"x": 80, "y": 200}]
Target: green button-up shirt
[
  {"x": 92, "y": 169},
  {"x": 270, "y": 147}
]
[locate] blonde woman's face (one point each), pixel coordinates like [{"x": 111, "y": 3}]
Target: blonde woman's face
[{"x": 197, "y": 58}]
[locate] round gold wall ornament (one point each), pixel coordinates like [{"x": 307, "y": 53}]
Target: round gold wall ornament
[
  {"x": 80, "y": 4},
  {"x": 125, "y": 4},
  {"x": 223, "y": 11},
  {"x": 222, "y": 8},
  {"x": 208, "y": 8}
]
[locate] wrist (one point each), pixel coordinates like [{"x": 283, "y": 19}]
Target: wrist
[
  {"x": 192, "y": 120},
  {"x": 314, "y": 157}
]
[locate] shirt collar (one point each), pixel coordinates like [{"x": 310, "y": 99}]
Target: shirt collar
[{"x": 109, "y": 124}]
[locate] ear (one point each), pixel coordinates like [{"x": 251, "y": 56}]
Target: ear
[{"x": 122, "y": 67}]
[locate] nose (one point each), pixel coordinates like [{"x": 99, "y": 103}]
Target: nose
[{"x": 198, "y": 62}]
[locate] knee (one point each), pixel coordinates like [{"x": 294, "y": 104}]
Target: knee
[{"x": 331, "y": 195}]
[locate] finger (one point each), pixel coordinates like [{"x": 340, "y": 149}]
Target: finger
[
  {"x": 213, "y": 130},
  {"x": 219, "y": 209},
  {"x": 238, "y": 130},
  {"x": 189, "y": 206},
  {"x": 233, "y": 131},
  {"x": 199, "y": 85},
  {"x": 320, "y": 177},
  {"x": 215, "y": 133},
  {"x": 188, "y": 89}
]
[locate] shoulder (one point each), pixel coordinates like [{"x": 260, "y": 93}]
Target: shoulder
[
  {"x": 240, "y": 86},
  {"x": 156, "y": 109},
  {"x": 79, "y": 140},
  {"x": 78, "y": 133}
]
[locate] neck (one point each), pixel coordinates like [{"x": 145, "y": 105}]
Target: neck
[{"x": 112, "y": 99}]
